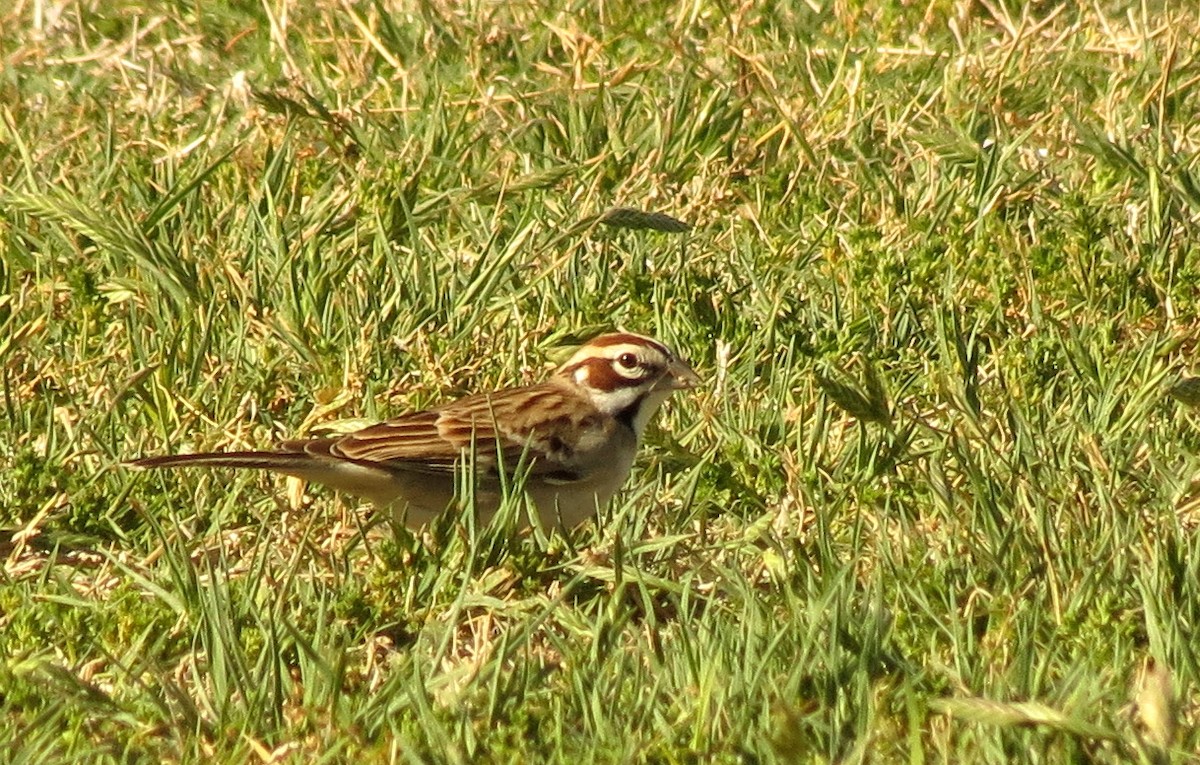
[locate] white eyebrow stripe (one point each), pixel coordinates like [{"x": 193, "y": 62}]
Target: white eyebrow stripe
[{"x": 614, "y": 351}]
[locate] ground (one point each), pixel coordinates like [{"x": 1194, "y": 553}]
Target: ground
[{"x": 936, "y": 500}]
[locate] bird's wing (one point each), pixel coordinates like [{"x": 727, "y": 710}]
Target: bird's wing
[{"x": 532, "y": 427}]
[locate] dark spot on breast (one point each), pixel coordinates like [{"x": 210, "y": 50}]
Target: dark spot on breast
[{"x": 627, "y": 415}]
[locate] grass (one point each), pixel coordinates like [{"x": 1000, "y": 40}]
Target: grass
[{"x": 933, "y": 503}]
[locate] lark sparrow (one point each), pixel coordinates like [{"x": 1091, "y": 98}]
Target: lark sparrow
[{"x": 574, "y": 437}]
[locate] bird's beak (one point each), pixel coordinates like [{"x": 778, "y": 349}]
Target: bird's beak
[{"x": 679, "y": 376}]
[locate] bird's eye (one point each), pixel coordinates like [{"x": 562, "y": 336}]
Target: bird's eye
[{"x": 627, "y": 360}]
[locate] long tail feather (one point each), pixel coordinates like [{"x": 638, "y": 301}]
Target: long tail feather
[{"x": 251, "y": 460}]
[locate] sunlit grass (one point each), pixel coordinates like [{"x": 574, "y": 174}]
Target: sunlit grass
[{"x": 936, "y": 500}]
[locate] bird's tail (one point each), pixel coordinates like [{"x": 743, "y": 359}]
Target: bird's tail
[{"x": 281, "y": 461}]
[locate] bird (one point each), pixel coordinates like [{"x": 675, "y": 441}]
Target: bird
[{"x": 572, "y": 439}]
